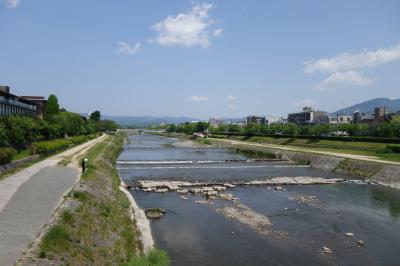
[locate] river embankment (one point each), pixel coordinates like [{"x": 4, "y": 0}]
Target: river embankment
[
  {"x": 94, "y": 225},
  {"x": 380, "y": 173}
]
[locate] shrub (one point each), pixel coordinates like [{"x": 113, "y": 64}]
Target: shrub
[
  {"x": 46, "y": 147},
  {"x": 156, "y": 257},
  {"x": 42, "y": 254},
  {"x": 67, "y": 217},
  {"x": 57, "y": 236},
  {"x": 80, "y": 195},
  {"x": 6, "y": 154},
  {"x": 79, "y": 139},
  {"x": 394, "y": 148}
]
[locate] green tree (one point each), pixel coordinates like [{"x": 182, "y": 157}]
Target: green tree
[
  {"x": 95, "y": 116},
  {"x": 3, "y": 135},
  {"x": 106, "y": 125},
  {"x": 52, "y": 107}
]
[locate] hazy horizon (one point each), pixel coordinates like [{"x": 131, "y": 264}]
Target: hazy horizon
[{"x": 201, "y": 59}]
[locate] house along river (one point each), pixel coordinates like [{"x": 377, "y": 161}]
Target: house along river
[{"x": 253, "y": 219}]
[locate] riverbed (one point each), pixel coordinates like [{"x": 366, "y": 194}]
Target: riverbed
[{"x": 292, "y": 225}]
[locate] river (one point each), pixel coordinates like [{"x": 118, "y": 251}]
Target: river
[{"x": 302, "y": 219}]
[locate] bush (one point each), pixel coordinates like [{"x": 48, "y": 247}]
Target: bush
[
  {"x": 155, "y": 257},
  {"x": 46, "y": 147},
  {"x": 67, "y": 217},
  {"x": 80, "y": 195},
  {"x": 6, "y": 154},
  {"x": 394, "y": 148},
  {"x": 79, "y": 139},
  {"x": 57, "y": 236}
]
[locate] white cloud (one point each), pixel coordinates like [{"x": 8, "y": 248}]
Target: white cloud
[
  {"x": 218, "y": 32},
  {"x": 199, "y": 98},
  {"x": 231, "y": 102},
  {"x": 125, "y": 48},
  {"x": 187, "y": 29},
  {"x": 344, "y": 79},
  {"x": 343, "y": 69},
  {"x": 230, "y": 98},
  {"x": 12, "y": 3},
  {"x": 348, "y": 61}
]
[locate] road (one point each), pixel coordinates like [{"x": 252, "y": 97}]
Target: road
[
  {"x": 307, "y": 150},
  {"x": 29, "y": 198}
]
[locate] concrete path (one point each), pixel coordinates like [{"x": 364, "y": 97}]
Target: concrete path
[
  {"x": 29, "y": 198},
  {"x": 300, "y": 149}
]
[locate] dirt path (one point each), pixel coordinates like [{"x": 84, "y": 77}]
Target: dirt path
[{"x": 299, "y": 149}]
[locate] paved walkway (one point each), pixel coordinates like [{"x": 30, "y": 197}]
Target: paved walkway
[
  {"x": 300, "y": 149},
  {"x": 29, "y": 198}
]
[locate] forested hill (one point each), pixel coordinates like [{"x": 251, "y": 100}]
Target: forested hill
[{"x": 369, "y": 106}]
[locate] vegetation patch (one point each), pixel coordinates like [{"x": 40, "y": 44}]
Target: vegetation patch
[
  {"x": 6, "y": 155},
  {"x": 203, "y": 141},
  {"x": 155, "y": 213},
  {"x": 358, "y": 169},
  {"x": 155, "y": 257},
  {"x": 257, "y": 154},
  {"x": 98, "y": 230}
]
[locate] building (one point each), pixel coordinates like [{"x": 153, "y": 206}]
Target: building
[
  {"x": 11, "y": 104},
  {"x": 40, "y": 102},
  {"x": 214, "y": 122},
  {"x": 380, "y": 115},
  {"x": 309, "y": 116},
  {"x": 260, "y": 120},
  {"x": 340, "y": 119},
  {"x": 362, "y": 118}
]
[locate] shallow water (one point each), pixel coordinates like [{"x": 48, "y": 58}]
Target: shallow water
[{"x": 196, "y": 234}]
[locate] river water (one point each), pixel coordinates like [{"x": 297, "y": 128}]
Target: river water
[{"x": 198, "y": 234}]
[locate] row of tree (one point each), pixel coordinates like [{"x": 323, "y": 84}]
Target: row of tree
[
  {"x": 20, "y": 131},
  {"x": 382, "y": 130}
]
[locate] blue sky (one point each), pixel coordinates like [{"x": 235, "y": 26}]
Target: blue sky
[{"x": 212, "y": 58}]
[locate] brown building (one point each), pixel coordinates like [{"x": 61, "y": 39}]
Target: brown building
[
  {"x": 40, "y": 102},
  {"x": 11, "y": 104}
]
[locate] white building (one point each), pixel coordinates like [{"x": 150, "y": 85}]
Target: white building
[{"x": 340, "y": 119}]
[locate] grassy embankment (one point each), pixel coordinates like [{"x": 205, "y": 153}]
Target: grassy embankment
[
  {"x": 347, "y": 147},
  {"x": 97, "y": 229}
]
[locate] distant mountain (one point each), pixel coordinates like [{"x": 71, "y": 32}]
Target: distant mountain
[
  {"x": 369, "y": 106},
  {"x": 144, "y": 121}
]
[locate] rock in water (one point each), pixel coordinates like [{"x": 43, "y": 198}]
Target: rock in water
[
  {"x": 326, "y": 250},
  {"x": 155, "y": 213},
  {"x": 182, "y": 191}
]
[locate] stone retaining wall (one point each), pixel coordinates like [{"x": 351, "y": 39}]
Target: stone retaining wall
[
  {"x": 16, "y": 164},
  {"x": 389, "y": 175},
  {"x": 384, "y": 174}
]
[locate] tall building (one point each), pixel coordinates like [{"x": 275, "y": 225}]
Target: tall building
[
  {"x": 379, "y": 114},
  {"x": 308, "y": 116},
  {"x": 260, "y": 120},
  {"x": 11, "y": 104},
  {"x": 362, "y": 118}
]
